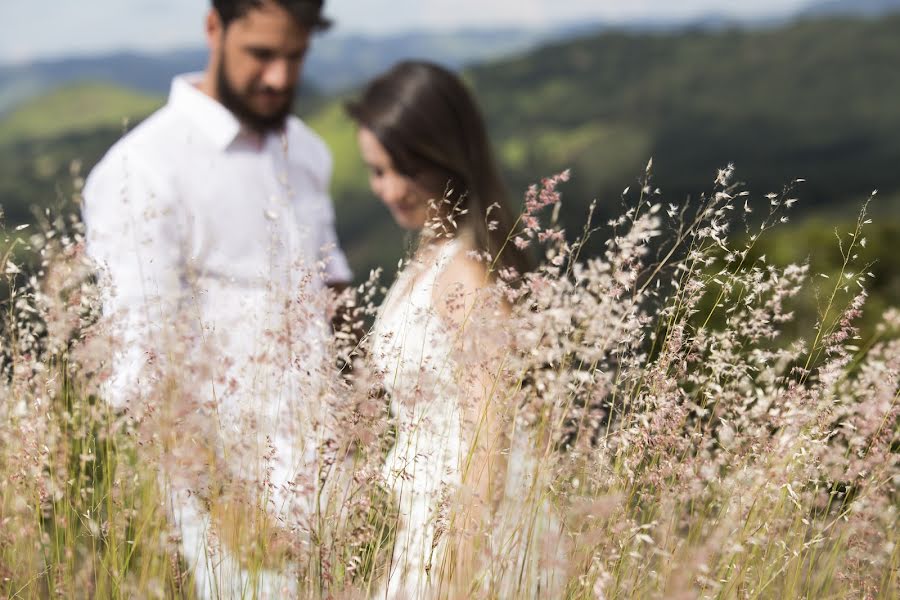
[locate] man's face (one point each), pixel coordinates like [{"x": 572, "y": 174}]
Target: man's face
[{"x": 257, "y": 64}]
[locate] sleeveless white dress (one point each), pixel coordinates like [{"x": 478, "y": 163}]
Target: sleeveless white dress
[
  {"x": 416, "y": 351},
  {"x": 412, "y": 345}
]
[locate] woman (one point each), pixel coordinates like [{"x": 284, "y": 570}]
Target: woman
[{"x": 424, "y": 143}]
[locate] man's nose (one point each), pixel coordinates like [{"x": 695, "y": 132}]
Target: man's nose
[{"x": 279, "y": 74}]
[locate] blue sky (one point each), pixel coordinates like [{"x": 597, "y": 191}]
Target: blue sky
[{"x": 41, "y": 28}]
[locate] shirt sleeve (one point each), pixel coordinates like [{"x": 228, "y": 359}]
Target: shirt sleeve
[{"x": 134, "y": 236}]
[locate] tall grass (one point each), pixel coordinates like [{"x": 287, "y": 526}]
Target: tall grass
[{"x": 635, "y": 424}]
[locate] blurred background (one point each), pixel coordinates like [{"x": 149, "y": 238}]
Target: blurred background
[{"x": 783, "y": 89}]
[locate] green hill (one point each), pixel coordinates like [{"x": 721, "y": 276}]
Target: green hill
[
  {"x": 40, "y": 139},
  {"x": 75, "y": 108},
  {"x": 816, "y": 100}
]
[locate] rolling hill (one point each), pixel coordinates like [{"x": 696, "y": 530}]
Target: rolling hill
[
  {"x": 814, "y": 99},
  {"x": 336, "y": 61},
  {"x": 145, "y": 73},
  {"x": 76, "y": 108},
  {"x": 40, "y": 139}
]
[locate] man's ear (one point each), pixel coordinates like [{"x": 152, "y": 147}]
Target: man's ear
[{"x": 214, "y": 29}]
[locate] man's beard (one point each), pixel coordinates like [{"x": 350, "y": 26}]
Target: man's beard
[{"x": 236, "y": 102}]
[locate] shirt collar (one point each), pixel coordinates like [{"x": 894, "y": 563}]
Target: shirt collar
[{"x": 216, "y": 121}]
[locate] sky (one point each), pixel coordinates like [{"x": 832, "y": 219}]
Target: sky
[{"x": 31, "y": 29}]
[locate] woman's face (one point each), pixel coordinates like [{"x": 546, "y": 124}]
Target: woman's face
[{"x": 406, "y": 199}]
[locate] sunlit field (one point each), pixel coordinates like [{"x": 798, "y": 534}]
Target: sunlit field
[{"x": 637, "y": 424}]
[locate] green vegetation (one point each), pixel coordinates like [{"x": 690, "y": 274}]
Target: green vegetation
[
  {"x": 820, "y": 242},
  {"x": 734, "y": 461},
  {"x": 73, "y": 109},
  {"x": 815, "y": 100},
  {"x": 40, "y": 140}
]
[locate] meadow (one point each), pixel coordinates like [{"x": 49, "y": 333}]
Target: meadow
[
  {"x": 694, "y": 396},
  {"x": 654, "y": 428}
]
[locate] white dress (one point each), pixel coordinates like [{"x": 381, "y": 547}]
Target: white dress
[
  {"x": 413, "y": 347},
  {"x": 417, "y": 352}
]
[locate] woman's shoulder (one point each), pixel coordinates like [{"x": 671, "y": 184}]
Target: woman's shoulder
[
  {"x": 460, "y": 280},
  {"x": 464, "y": 268}
]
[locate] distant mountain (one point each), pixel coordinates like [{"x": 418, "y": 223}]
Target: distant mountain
[
  {"x": 341, "y": 62},
  {"x": 146, "y": 73},
  {"x": 335, "y": 63},
  {"x": 816, "y": 99},
  {"x": 860, "y": 8},
  {"x": 78, "y": 107}
]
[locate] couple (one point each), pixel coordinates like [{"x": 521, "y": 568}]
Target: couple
[{"x": 213, "y": 226}]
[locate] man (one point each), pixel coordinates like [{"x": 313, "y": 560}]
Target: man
[{"x": 212, "y": 223}]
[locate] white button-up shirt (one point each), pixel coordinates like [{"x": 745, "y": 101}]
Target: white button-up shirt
[{"x": 189, "y": 209}]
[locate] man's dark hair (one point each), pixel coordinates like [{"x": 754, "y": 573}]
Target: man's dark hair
[{"x": 307, "y": 13}]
